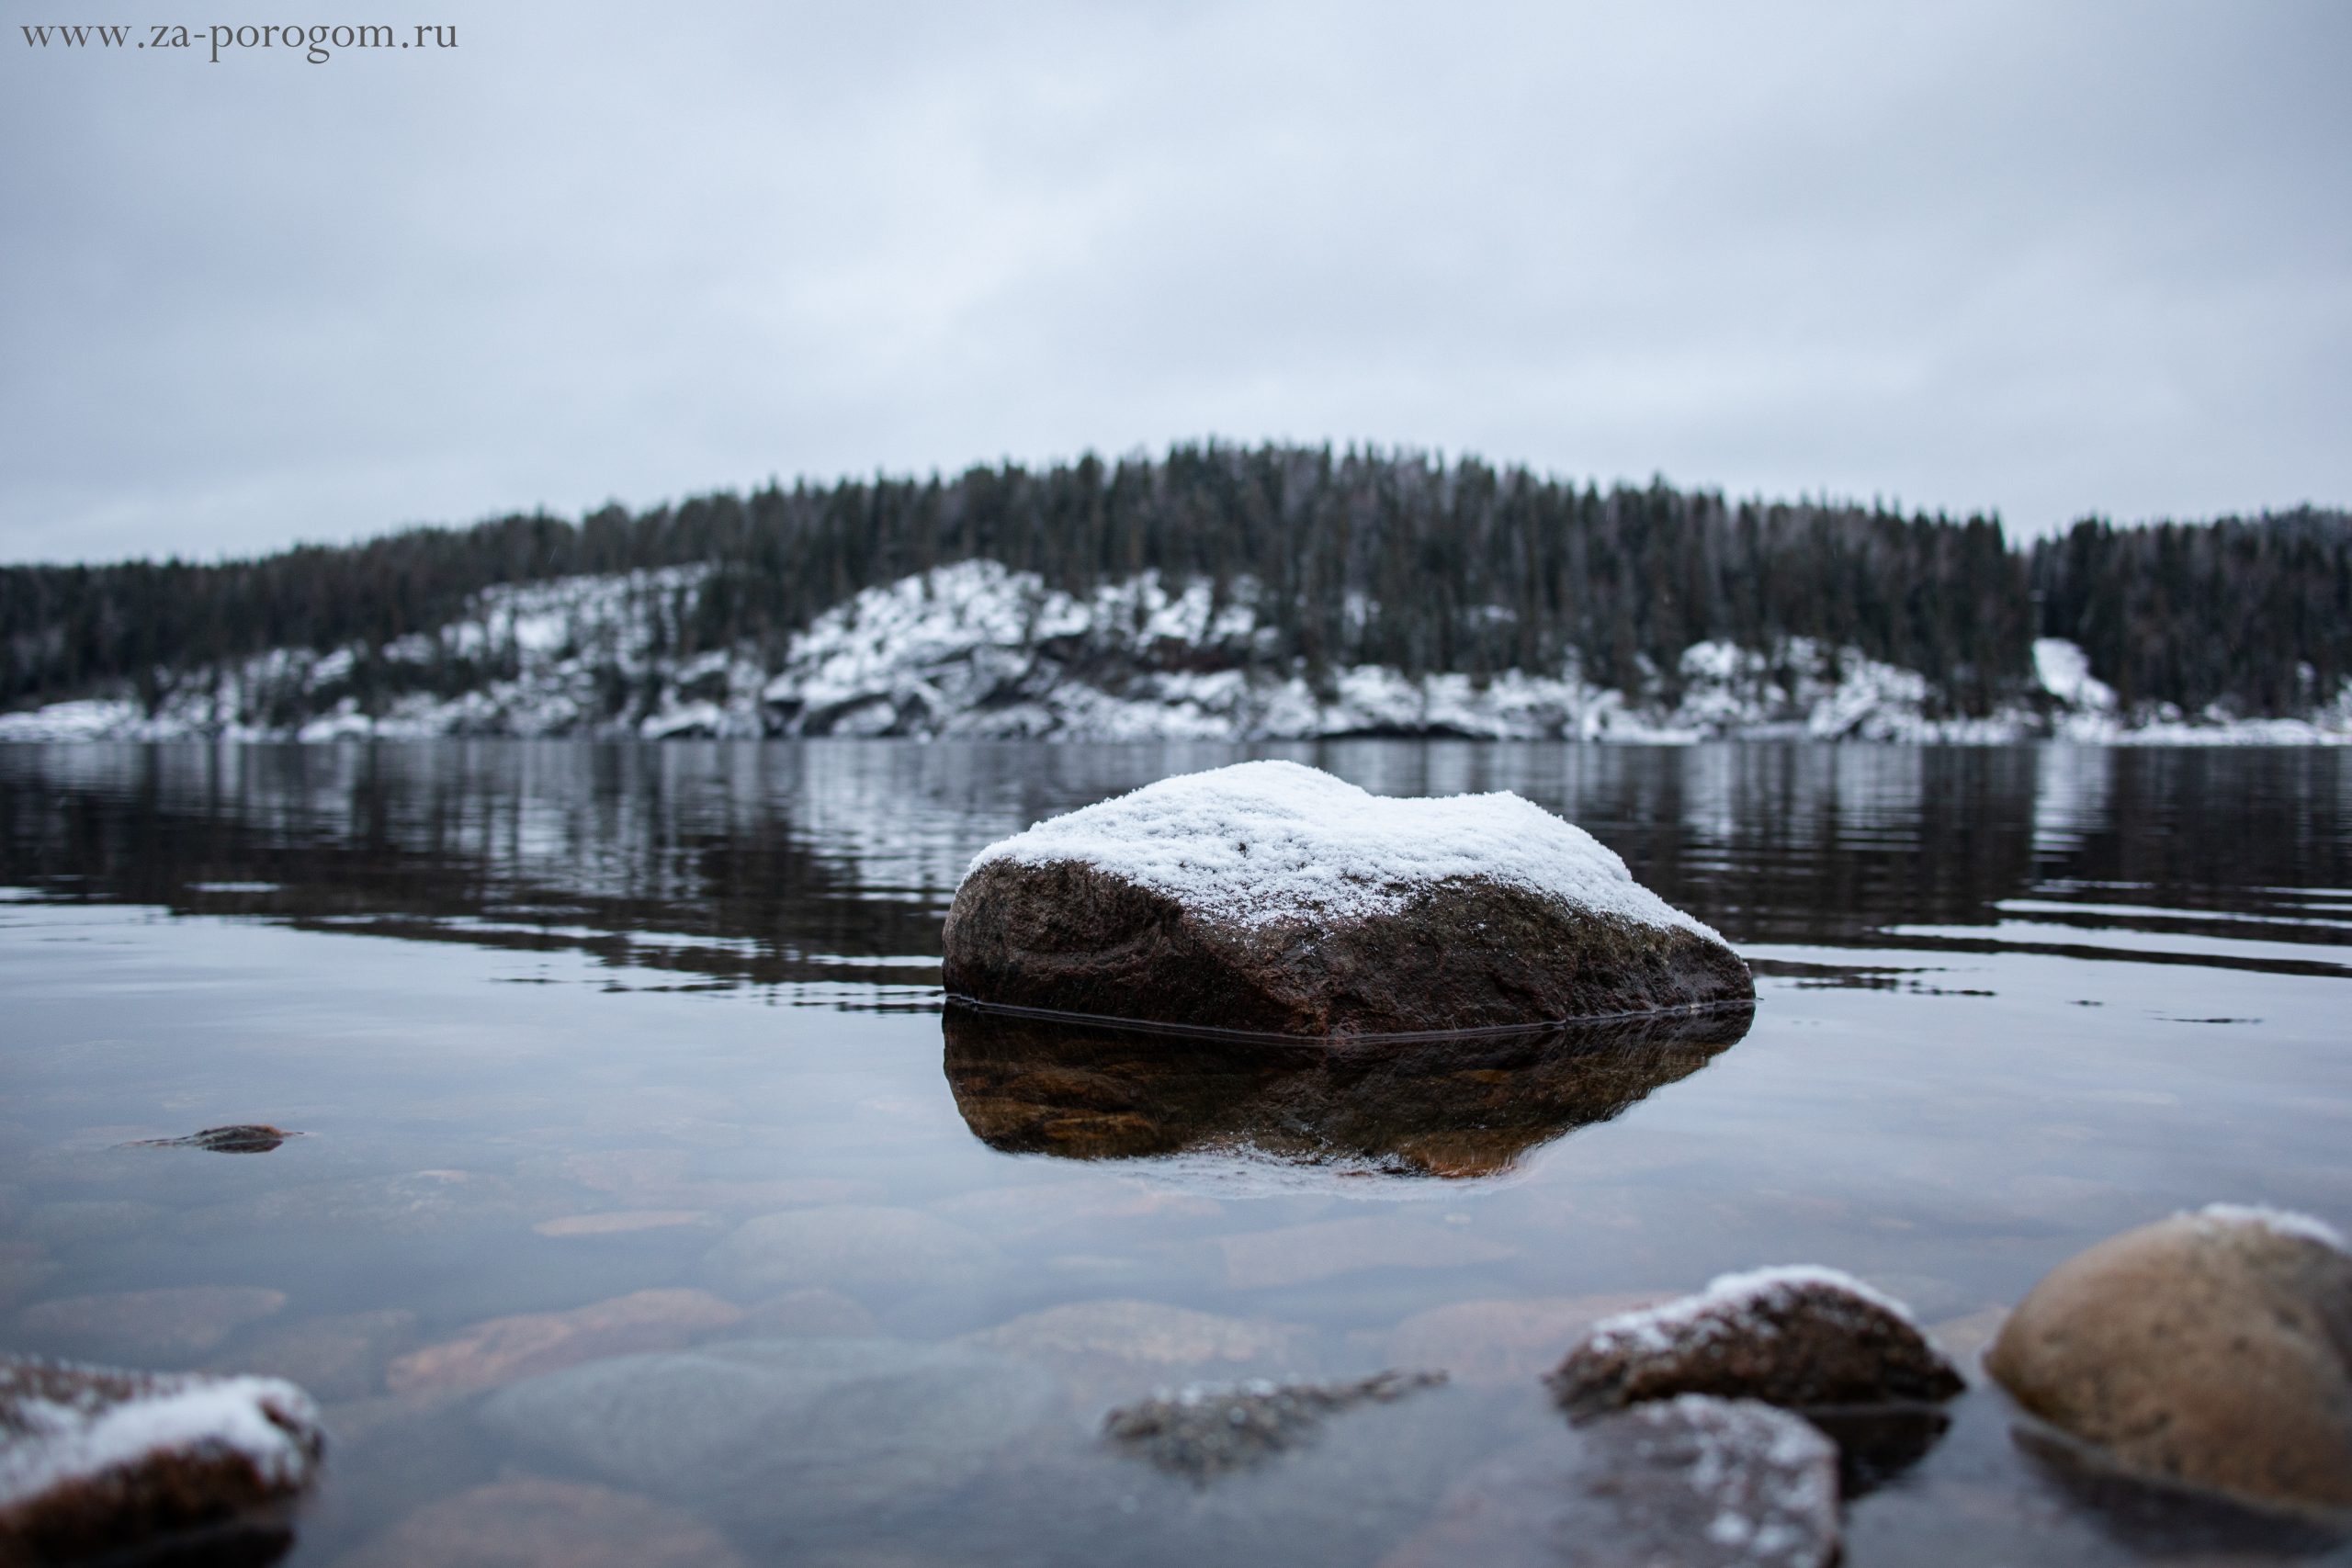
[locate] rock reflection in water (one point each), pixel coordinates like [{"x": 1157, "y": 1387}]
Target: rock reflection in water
[{"x": 1464, "y": 1106}]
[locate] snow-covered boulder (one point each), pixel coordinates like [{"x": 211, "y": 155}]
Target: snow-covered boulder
[
  {"x": 1798, "y": 1337},
  {"x": 95, "y": 1461},
  {"x": 2213, "y": 1349},
  {"x": 1273, "y": 897}
]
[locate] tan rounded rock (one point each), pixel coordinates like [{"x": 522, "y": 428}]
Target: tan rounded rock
[{"x": 2212, "y": 1349}]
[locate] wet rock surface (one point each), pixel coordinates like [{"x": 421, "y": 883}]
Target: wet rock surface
[
  {"x": 808, "y": 1432},
  {"x": 1458, "y": 1108},
  {"x": 95, "y": 1460},
  {"x": 1794, "y": 1338},
  {"x": 1692, "y": 1482},
  {"x": 240, "y": 1138},
  {"x": 2211, "y": 1349},
  {"x": 1272, "y": 897},
  {"x": 1203, "y": 1433}
]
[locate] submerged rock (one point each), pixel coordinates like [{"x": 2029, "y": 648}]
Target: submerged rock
[
  {"x": 2212, "y": 1349},
  {"x": 1110, "y": 1349},
  {"x": 1692, "y": 1482},
  {"x": 531, "y": 1523},
  {"x": 1797, "y": 1338},
  {"x": 95, "y": 1460},
  {"x": 1467, "y": 1107},
  {"x": 241, "y": 1138},
  {"x": 808, "y": 1431},
  {"x": 505, "y": 1349},
  {"x": 857, "y": 1248},
  {"x": 1273, "y": 897},
  {"x": 1202, "y": 1433}
]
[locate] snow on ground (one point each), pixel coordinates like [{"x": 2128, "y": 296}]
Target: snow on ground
[
  {"x": 977, "y": 649},
  {"x": 1256, "y": 841}
]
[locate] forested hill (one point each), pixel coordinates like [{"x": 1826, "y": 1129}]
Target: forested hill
[{"x": 1349, "y": 560}]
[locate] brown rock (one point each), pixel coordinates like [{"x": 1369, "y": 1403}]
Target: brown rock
[
  {"x": 1464, "y": 954},
  {"x": 1455, "y": 1108},
  {"x": 2211, "y": 1349},
  {"x": 505, "y": 1348},
  {"x": 172, "y": 1324},
  {"x": 532, "y": 1523},
  {"x": 95, "y": 1460},
  {"x": 1498, "y": 1344},
  {"x": 1273, "y": 897},
  {"x": 1693, "y": 1483},
  {"x": 1791, "y": 1336}
]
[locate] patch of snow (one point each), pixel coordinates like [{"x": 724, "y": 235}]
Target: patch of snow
[
  {"x": 1731, "y": 1301},
  {"x": 2281, "y": 1221},
  {"x": 2064, "y": 671},
  {"x": 1261, "y": 842},
  {"x": 978, "y": 650},
  {"x": 74, "y": 1440}
]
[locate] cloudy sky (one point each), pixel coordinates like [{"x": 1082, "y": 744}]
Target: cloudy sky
[{"x": 2042, "y": 258}]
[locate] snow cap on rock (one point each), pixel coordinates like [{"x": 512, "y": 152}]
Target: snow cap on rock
[{"x": 1256, "y": 842}]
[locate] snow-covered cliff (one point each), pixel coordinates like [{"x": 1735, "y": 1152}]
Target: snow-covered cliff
[{"x": 976, "y": 649}]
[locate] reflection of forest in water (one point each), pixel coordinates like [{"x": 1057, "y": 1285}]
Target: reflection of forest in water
[
  {"x": 1464, "y": 1106},
  {"x": 795, "y": 864}
]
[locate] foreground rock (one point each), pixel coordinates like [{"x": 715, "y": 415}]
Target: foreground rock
[
  {"x": 1273, "y": 897},
  {"x": 1445, "y": 1108},
  {"x": 2213, "y": 1349},
  {"x": 1797, "y": 1338},
  {"x": 1694, "y": 1482},
  {"x": 1203, "y": 1433},
  {"x": 94, "y": 1461}
]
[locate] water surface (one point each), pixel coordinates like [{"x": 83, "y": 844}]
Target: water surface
[{"x": 564, "y": 1025}]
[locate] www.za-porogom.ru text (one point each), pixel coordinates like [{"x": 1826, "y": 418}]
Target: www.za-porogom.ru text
[{"x": 318, "y": 42}]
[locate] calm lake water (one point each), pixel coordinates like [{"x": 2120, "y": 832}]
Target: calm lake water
[{"x": 606, "y": 1056}]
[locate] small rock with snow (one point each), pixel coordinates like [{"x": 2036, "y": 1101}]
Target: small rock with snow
[
  {"x": 95, "y": 1461},
  {"x": 2212, "y": 1349},
  {"x": 1273, "y": 897},
  {"x": 1694, "y": 1482},
  {"x": 1799, "y": 1338}
]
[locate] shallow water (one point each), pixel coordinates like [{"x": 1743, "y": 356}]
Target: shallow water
[{"x": 559, "y": 1024}]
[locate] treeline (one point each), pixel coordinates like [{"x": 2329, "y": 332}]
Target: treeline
[
  {"x": 2255, "y": 615},
  {"x": 1359, "y": 556}
]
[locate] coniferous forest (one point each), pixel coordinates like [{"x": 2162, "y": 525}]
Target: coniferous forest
[{"x": 1356, "y": 558}]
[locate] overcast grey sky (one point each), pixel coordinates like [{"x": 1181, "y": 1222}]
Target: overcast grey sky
[{"x": 2044, "y": 258}]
